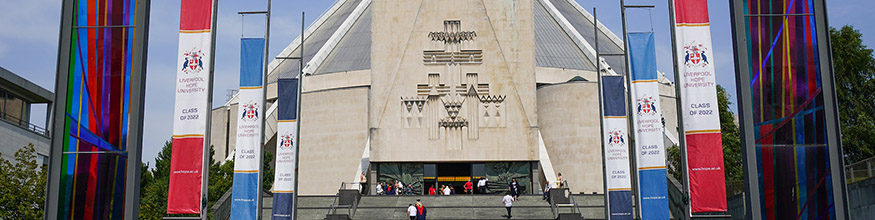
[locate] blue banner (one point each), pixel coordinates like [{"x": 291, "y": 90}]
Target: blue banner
[
  {"x": 616, "y": 148},
  {"x": 647, "y": 124},
  {"x": 250, "y": 117},
  {"x": 287, "y": 127}
]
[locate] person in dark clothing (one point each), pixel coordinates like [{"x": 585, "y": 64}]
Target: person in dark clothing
[
  {"x": 515, "y": 189},
  {"x": 421, "y": 211}
]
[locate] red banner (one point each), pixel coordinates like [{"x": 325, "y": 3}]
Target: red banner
[
  {"x": 701, "y": 118},
  {"x": 184, "y": 194},
  {"x": 194, "y": 61}
]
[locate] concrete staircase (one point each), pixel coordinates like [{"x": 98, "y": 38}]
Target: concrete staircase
[{"x": 444, "y": 207}]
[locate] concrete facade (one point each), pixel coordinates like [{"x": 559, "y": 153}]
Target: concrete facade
[
  {"x": 13, "y": 138},
  {"x": 17, "y": 132},
  {"x": 448, "y": 81}
]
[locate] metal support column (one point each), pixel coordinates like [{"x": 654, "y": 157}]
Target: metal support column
[
  {"x": 681, "y": 135},
  {"x": 298, "y": 130},
  {"x": 137, "y": 102},
  {"x": 598, "y": 69}
]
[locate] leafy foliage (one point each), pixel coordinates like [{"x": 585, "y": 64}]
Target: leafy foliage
[
  {"x": 22, "y": 186},
  {"x": 855, "y": 89},
  {"x": 154, "y": 186}
]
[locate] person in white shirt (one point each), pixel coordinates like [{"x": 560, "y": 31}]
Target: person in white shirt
[
  {"x": 379, "y": 188},
  {"x": 399, "y": 188},
  {"x": 547, "y": 191},
  {"x": 411, "y": 211},
  {"x": 481, "y": 185},
  {"x": 508, "y": 204},
  {"x": 447, "y": 191}
]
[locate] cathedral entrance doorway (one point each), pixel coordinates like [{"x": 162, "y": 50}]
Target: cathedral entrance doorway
[{"x": 422, "y": 176}]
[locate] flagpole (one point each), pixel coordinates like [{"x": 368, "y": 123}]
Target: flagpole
[
  {"x": 205, "y": 174},
  {"x": 598, "y": 71},
  {"x": 260, "y": 184},
  {"x": 298, "y": 124},
  {"x": 681, "y": 135}
]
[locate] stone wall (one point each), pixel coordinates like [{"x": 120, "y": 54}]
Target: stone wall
[
  {"x": 861, "y": 199},
  {"x": 569, "y": 121},
  {"x": 412, "y": 96},
  {"x": 334, "y": 131}
]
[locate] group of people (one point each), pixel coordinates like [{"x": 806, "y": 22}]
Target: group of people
[
  {"x": 417, "y": 211},
  {"x": 468, "y": 188},
  {"x": 394, "y": 188}
]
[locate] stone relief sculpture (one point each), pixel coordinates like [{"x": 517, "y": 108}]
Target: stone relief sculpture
[{"x": 456, "y": 110}]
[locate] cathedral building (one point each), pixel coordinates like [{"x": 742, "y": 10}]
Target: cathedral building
[{"x": 439, "y": 92}]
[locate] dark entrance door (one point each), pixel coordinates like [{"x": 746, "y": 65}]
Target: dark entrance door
[{"x": 454, "y": 175}]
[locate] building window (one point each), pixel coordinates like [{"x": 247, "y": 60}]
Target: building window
[
  {"x": 42, "y": 159},
  {"x": 14, "y": 109}
]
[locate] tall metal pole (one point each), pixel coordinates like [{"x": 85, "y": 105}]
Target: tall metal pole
[
  {"x": 598, "y": 69},
  {"x": 56, "y": 151},
  {"x": 298, "y": 129},
  {"x": 260, "y": 184},
  {"x": 833, "y": 129},
  {"x": 633, "y": 167},
  {"x": 680, "y": 113},
  {"x": 135, "y": 134},
  {"x": 205, "y": 177}
]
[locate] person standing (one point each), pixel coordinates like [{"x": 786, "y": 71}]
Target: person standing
[
  {"x": 364, "y": 182},
  {"x": 411, "y": 211},
  {"x": 515, "y": 189},
  {"x": 559, "y": 180},
  {"x": 481, "y": 185},
  {"x": 547, "y": 192},
  {"x": 400, "y": 188},
  {"x": 380, "y": 188},
  {"x": 446, "y": 190},
  {"x": 469, "y": 187},
  {"x": 421, "y": 211},
  {"x": 508, "y": 204},
  {"x": 390, "y": 190},
  {"x": 431, "y": 190}
]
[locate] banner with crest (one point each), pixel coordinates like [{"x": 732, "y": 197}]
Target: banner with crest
[
  {"x": 191, "y": 111},
  {"x": 287, "y": 144},
  {"x": 698, "y": 86},
  {"x": 250, "y": 117},
  {"x": 647, "y": 122},
  {"x": 616, "y": 148}
]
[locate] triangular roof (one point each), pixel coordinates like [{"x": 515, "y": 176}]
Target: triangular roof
[{"x": 563, "y": 39}]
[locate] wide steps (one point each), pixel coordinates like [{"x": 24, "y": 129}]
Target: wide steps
[{"x": 443, "y": 207}]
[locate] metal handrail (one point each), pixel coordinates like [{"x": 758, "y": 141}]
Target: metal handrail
[
  {"x": 24, "y": 124},
  {"x": 866, "y": 171},
  {"x": 565, "y": 184},
  {"x": 351, "y": 209}
]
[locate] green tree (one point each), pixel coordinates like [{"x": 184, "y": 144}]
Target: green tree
[
  {"x": 854, "y": 67},
  {"x": 154, "y": 185},
  {"x": 731, "y": 138},
  {"x": 22, "y": 186}
]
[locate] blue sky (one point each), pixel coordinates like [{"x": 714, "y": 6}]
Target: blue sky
[{"x": 29, "y": 43}]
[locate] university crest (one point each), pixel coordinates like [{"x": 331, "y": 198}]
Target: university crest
[
  {"x": 250, "y": 112},
  {"x": 286, "y": 141},
  {"x": 192, "y": 61},
  {"x": 695, "y": 55},
  {"x": 646, "y": 105},
  {"x": 615, "y": 137}
]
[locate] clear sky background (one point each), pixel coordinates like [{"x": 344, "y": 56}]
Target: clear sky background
[{"x": 29, "y": 43}]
